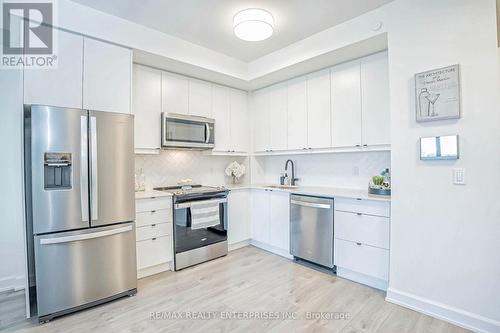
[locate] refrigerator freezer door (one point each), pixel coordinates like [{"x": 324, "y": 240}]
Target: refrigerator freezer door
[
  {"x": 77, "y": 268},
  {"x": 56, "y": 159},
  {"x": 112, "y": 162}
]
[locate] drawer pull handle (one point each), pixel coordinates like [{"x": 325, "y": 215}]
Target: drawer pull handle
[
  {"x": 153, "y": 225},
  {"x": 153, "y": 238},
  {"x": 153, "y": 211},
  {"x": 358, "y": 243},
  {"x": 359, "y": 199},
  {"x": 359, "y": 214}
]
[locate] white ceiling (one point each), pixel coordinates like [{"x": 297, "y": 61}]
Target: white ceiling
[{"x": 209, "y": 22}]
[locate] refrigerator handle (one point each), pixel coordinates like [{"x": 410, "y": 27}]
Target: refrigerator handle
[
  {"x": 84, "y": 203},
  {"x": 207, "y": 131},
  {"x": 74, "y": 238},
  {"x": 94, "y": 199}
]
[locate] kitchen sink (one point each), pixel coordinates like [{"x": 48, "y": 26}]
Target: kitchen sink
[{"x": 283, "y": 186}]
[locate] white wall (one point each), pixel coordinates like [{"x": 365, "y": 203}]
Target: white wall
[
  {"x": 446, "y": 238},
  {"x": 344, "y": 170},
  {"x": 12, "y": 263},
  {"x": 170, "y": 166}
]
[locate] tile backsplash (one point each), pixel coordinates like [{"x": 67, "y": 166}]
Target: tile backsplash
[
  {"x": 344, "y": 170},
  {"x": 170, "y": 166}
]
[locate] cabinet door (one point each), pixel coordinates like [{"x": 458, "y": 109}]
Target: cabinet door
[
  {"x": 107, "y": 76},
  {"x": 239, "y": 121},
  {"x": 318, "y": 110},
  {"x": 60, "y": 86},
  {"x": 147, "y": 107},
  {"x": 175, "y": 93},
  {"x": 277, "y": 117},
  {"x": 279, "y": 220},
  {"x": 261, "y": 120},
  {"x": 297, "y": 114},
  {"x": 375, "y": 99},
  {"x": 221, "y": 114},
  {"x": 238, "y": 216},
  {"x": 200, "y": 98},
  {"x": 346, "y": 105},
  {"x": 260, "y": 216}
]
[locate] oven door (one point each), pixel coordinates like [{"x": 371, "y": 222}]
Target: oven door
[
  {"x": 189, "y": 237},
  {"x": 183, "y": 131}
]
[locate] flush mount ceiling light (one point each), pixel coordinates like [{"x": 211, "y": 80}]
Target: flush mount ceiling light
[{"x": 253, "y": 24}]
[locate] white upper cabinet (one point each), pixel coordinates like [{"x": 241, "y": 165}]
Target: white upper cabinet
[
  {"x": 297, "y": 114},
  {"x": 346, "y": 105},
  {"x": 147, "y": 107},
  {"x": 61, "y": 86},
  {"x": 200, "y": 98},
  {"x": 221, "y": 114},
  {"x": 107, "y": 75},
  {"x": 277, "y": 117},
  {"x": 239, "y": 121},
  {"x": 175, "y": 93},
  {"x": 261, "y": 122},
  {"x": 318, "y": 110},
  {"x": 375, "y": 99}
]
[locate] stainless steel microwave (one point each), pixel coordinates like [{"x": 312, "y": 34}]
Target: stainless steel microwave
[{"x": 186, "y": 131}]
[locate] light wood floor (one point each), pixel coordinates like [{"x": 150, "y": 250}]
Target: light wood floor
[{"x": 248, "y": 280}]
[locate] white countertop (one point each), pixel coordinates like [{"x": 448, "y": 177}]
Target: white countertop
[
  {"x": 318, "y": 191},
  {"x": 151, "y": 194}
]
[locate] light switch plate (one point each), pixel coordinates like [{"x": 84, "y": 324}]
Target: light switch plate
[{"x": 459, "y": 176}]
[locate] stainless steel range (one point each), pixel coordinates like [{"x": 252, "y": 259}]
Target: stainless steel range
[{"x": 200, "y": 223}]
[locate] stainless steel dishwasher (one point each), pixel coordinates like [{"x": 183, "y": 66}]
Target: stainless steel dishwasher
[{"x": 311, "y": 229}]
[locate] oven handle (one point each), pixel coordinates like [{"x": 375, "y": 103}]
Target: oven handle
[{"x": 188, "y": 204}]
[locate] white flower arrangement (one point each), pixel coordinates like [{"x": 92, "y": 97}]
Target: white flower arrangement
[{"x": 235, "y": 170}]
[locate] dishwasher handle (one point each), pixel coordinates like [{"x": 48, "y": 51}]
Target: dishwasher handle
[{"x": 310, "y": 204}]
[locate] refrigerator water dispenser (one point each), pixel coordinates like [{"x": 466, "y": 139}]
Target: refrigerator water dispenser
[{"x": 57, "y": 171}]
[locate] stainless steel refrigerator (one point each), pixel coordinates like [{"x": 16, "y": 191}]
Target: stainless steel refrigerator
[{"x": 80, "y": 208}]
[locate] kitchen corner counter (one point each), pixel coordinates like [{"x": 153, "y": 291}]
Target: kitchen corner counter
[
  {"x": 151, "y": 194},
  {"x": 318, "y": 191}
]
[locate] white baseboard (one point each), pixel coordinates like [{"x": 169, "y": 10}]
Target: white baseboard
[
  {"x": 14, "y": 283},
  {"x": 238, "y": 245},
  {"x": 148, "y": 271},
  {"x": 271, "y": 249},
  {"x": 362, "y": 278},
  {"x": 445, "y": 312}
]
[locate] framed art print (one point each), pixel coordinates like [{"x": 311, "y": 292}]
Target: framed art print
[{"x": 437, "y": 94}]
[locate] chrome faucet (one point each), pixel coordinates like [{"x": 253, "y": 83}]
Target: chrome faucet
[{"x": 293, "y": 179}]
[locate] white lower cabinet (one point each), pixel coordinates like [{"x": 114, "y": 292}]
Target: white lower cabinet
[
  {"x": 362, "y": 241},
  {"x": 271, "y": 220},
  {"x": 238, "y": 227},
  {"x": 154, "y": 233}
]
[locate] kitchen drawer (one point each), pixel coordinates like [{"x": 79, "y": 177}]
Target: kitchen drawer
[
  {"x": 153, "y": 231},
  {"x": 364, "y": 259},
  {"x": 367, "y": 229},
  {"x": 370, "y": 207},
  {"x": 153, "y": 217},
  {"x": 149, "y": 204},
  {"x": 154, "y": 252}
]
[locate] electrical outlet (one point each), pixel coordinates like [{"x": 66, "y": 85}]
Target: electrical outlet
[{"x": 459, "y": 176}]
